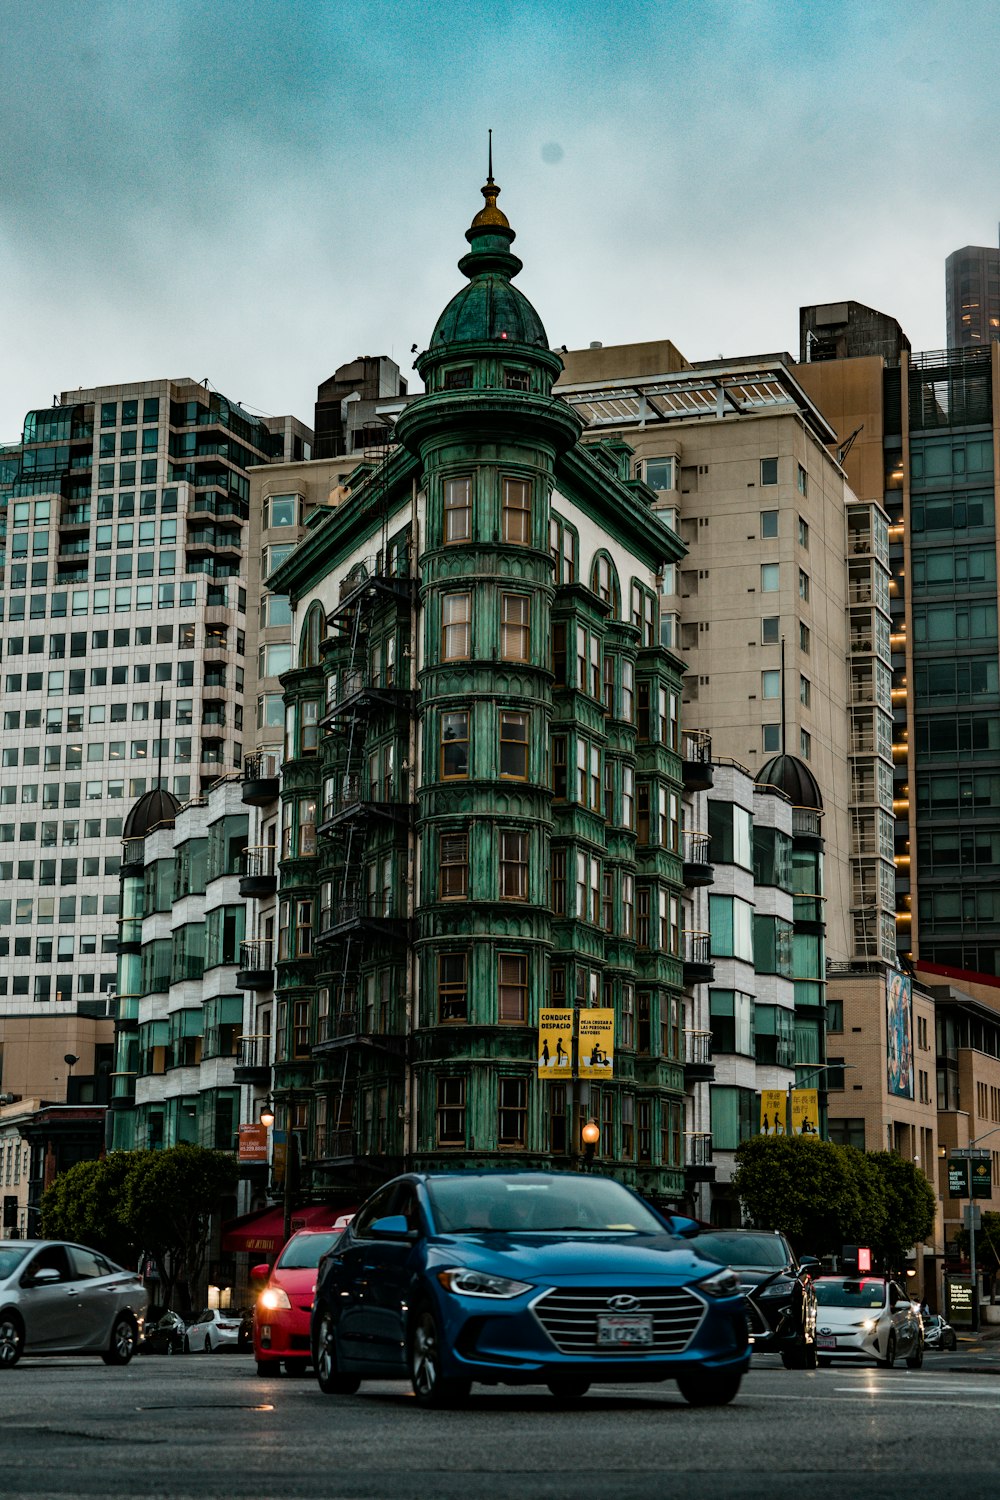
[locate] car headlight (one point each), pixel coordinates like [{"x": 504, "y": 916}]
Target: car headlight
[
  {"x": 724, "y": 1283},
  {"x": 274, "y": 1297},
  {"x": 466, "y": 1283},
  {"x": 775, "y": 1291},
  {"x": 869, "y": 1325}
]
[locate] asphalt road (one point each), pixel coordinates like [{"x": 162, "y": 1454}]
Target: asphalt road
[{"x": 209, "y": 1427}]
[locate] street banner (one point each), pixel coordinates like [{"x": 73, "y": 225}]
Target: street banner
[
  {"x": 958, "y": 1177},
  {"x": 982, "y": 1184},
  {"x": 805, "y": 1112},
  {"x": 252, "y": 1143},
  {"x": 555, "y": 1044},
  {"x": 772, "y": 1111},
  {"x": 596, "y": 1031},
  {"x": 899, "y": 1033}
]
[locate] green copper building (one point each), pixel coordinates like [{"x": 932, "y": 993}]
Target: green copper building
[{"x": 482, "y": 781}]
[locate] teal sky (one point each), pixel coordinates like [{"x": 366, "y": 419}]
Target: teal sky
[{"x": 256, "y": 192}]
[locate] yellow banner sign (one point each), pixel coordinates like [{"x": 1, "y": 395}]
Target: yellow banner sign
[
  {"x": 555, "y": 1044},
  {"x": 596, "y": 1031},
  {"x": 805, "y": 1112},
  {"x": 772, "y": 1111}
]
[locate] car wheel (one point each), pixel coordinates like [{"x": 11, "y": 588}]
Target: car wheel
[
  {"x": 702, "y": 1389},
  {"x": 208, "y": 1345},
  {"x": 267, "y": 1367},
  {"x": 890, "y": 1354},
  {"x": 187, "y": 1345},
  {"x": 915, "y": 1361},
  {"x": 568, "y": 1390},
  {"x": 331, "y": 1382},
  {"x": 296, "y": 1367},
  {"x": 824, "y": 1361},
  {"x": 124, "y": 1336},
  {"x": 423, "y": 1348},
  {"x": 11, "y": 1340}
]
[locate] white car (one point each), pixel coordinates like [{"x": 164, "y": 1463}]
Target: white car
[
  {"x": 866, "y": 1317},
  {"x": 215, "y": 1330}
]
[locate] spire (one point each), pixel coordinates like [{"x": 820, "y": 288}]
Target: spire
[{"x": 490, "y": 217}]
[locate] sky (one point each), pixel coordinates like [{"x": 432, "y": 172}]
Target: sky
[{"x": 256, "y": 192}]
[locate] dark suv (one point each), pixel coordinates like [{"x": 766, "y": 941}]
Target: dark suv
[{"x": 780, "y": 1300}]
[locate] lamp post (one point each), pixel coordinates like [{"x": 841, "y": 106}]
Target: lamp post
[
  {"x": 972, "y": 1229},
  {"x": 796, "y": 1083},
  {"x": 590, "y": 1135}
]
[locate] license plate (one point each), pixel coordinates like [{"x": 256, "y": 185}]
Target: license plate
[
  {"x": 624, "y": 1330},
  {"x": 825, "y": 1341}
]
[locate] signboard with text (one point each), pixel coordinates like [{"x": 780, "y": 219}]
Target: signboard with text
[
  {"x": 805, "y": 1112},
  {"x": 252, "y": 1143},
  {"x": 555, "y": 1044},
  {"x": 772, "y": 1111},
  {"x": 596, "y": 1033}
]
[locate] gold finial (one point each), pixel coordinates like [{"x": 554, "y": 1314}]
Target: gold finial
[{"x": 490, "y": 215}]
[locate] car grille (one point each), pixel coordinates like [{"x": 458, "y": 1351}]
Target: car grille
[{"x": 569, "y": 1317}]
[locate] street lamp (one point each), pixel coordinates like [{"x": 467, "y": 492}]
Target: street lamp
[
  {"x": 972, "y": 1231},
  {"x": 590, "y": 1135},
  {"x": 267, "y": 1113},
  {"x": 795, "y": 1083}
]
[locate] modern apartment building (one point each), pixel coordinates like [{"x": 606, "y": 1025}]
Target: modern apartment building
[
  {"x": 124, "y": 623},
  {"x": 925, "y": 457},
  {"x": 972, "y": 296}
]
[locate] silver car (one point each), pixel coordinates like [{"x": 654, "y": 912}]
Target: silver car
[{"x": 58, "y": 1298}]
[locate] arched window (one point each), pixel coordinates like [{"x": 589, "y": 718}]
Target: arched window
[
  {"x": 313, "y": 633},
  {"x": 604, "y": 581}
]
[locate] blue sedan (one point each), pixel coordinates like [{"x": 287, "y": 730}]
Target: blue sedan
[{"x": 523, "y": 1278}]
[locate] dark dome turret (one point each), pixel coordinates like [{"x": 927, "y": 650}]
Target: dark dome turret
[
  {"x": 154, "y": 809},
  {"x": 793, "y": 777}
]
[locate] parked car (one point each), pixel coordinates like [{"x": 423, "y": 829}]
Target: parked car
[
  {"x": 781, "y": 1303},
  {"x": 938, "y": 1334},
  {"x": 214, "y": 1331},
  {"x": 164, "y": 1334},
  {"x": 523, "y": 1278},
  {"x": 284, "y": 1307},
  {"x": 61, "y": 1298},
  {"x": 868, "y": 1317}
]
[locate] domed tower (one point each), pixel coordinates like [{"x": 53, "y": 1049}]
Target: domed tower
[
  {"x": 794, "y": 778},
  {"x": 487, "y": 434}
]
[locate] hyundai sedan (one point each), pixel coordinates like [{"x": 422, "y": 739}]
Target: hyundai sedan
[
  {"x": 523, "y": 1278},
  {"x": 59, "y": 1298}
]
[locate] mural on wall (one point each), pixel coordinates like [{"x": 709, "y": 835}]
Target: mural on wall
[{"x": 899, "y": 1033}]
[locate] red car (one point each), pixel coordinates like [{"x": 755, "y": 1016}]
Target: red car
[{"x": 281, "y": 1316}]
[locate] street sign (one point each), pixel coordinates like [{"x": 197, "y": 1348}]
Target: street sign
[
  {"x": 555, "y": 1044},
  {"x": 596, "y": 1033},
  {"x": 772, "y": 1111},
  {"x": 971, "y": 1153},
  {"x": 972, "y": 1216},
  {"x": 805, "y": 1112}
]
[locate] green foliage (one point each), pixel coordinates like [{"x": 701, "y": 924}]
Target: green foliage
[
  {"x": 823, "y": 1196},
  {"x": 86, "y": 1203},
  {"x": 157, "y": 1204},
  {"x": 987, "y": 1242},
  {"x": 910, "y": 1206}
]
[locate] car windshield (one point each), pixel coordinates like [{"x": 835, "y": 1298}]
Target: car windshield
[
  {"x": 838, "y": 1293},
  {"x": 541, "y": 1204},
  {"x": 10, "y": 1259},
  {"x": 304, "y": 1251},
  {"x": 754, "y": 1252}
]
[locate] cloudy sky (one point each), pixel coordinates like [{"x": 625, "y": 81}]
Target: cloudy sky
[{"x": 254, "y": 192}]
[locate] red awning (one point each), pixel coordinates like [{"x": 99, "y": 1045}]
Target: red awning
[{"x": 263, "y": 1233}]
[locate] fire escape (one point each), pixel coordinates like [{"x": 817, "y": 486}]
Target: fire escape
[{"x": 367, "y": 830}]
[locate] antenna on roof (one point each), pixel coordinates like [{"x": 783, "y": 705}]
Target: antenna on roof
[{"x": 489, "y": 174}]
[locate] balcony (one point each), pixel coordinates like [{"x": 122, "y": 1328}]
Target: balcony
[
  {"x": 375, "y": 915},
  {"x": 697, "y": 869},
  {"x": 698, "y": 1164},
  {"x": 698, "y": 1064},
  {"x": 133, "y": 855},
  {"x": 696, "y": 755},
  {"x": 256, "y": 971},
  {"x": 258, "y": 870},
  {"x": 122, "y": 1091},
  {"x": 260, "y": 778},
  {"x": 698, "y": 965},
  {"x": 253, "y": 1059}
]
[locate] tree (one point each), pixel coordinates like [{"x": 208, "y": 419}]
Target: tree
[
  {"x": 170, "y": 1198},
  {"x": 910, "y": 1206},
  {"x": 86, "y": 1203},
  {"x": 818, "y": 1194},
  {"x": 987, "y": 1248}
]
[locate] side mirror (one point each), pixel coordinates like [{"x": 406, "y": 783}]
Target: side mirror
[
  {"x": 392, "y": 1227},
  {"x": 260, "y": 1273},
  {"x": 45, "y": 1277},
  {"x": 809, "y": 1263},
  {"x": 685, "y": 1229}
]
